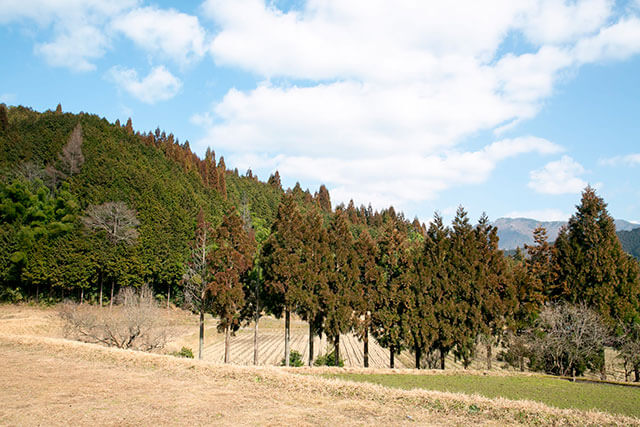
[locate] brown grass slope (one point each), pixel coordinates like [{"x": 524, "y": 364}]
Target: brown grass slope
[{"x": 53, "y": 381}]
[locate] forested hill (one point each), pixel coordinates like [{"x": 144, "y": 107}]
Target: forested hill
[
  {"x": 630, "y": 241},
  {"x": 153, "y": 173}
]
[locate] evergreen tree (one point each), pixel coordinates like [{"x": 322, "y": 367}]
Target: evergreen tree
[
  {"x": 323, "y": 198},
  {"x": 391, "y": 300},
  {"x": 498, "y": 297},
  {"x": 419, "y": 317},
  {"x": 230, "y": 262},
  {"x": 4, "y": 119},
  {"x": 129, "y": 126},
  {"x": 315, "y": 265},
  {"x": 437, "y": 253},
  {"x": 464, "y": 258},
  {"x": 342, "y": 280},
  {"x": 221, "y": 178},
  {"x": 591, "y": 266},
  {"x": 281, "y": 262},
  {"x": 274, "y": 181},
  {"x": 540, "y": 265},
  {"x": 369, "y": 280}
]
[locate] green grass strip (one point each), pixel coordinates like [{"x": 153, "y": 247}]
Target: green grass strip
[{"x": 554, "y": 392}]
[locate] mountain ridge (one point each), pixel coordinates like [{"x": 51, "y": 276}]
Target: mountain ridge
[{"x": 516, "y": 232}]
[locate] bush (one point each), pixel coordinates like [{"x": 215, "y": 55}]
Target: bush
[
  {"x": 295, "y": 359},
  {"x": 184, "y": 352},
  {"x": 328, "y": 360},
  {"x": 135, "y": 323},
  {"x": 568, "y": 340}
]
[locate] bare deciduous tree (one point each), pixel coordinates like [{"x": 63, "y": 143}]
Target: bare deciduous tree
[
  {"x": 53, "y": 177},
  {"x": 197, "y": 277},
  {"x": 118, "y": 222},
  {"x": 134, "y": 323},
  {"x": 71, "y": 157},
  {"x": 116, "y": 219},
  {"x": 570, "y": 339},
  {"x": 629, "y": 351},
  {"x": 29, "y": 171}
]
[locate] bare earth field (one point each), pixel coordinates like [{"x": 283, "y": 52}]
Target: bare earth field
[{"x": 48, "y": 380}]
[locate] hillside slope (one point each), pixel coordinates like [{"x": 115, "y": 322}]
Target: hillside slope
[
  {"x": 154, "y": 174},
  {"x": 53, "y": 381}
]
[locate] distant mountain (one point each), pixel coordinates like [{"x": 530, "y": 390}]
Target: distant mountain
[
  {"x": 516, "y": 232},
  {"x": 630, "y": 240}
]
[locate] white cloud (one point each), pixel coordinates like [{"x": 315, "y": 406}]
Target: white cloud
[
  {"x": 82, "y": 30},
  {"x": 172, "y": 34},
  {"x": 540, "y": 215},
  {"x": 628, "y": 160},
  {"x": 77, "y": 28},
  {"x": 75, "y": 49},
  {"x": 553, "y": 21},
  {"x": 7, "y": 98},
  {"x": 396, "y": 179},
  {"x": 559, "y": 177},
  {"x": 370, "y": 96},
  {"x": 158, "y": 85}
]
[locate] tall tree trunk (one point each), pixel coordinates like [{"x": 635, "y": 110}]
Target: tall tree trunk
[
  {"x": 201, "y": 340},
  {"x": 366, "y": 347},
  {"x": 627, "y": 374},
  {"x": 336, "y": 350},
  {"x": 168, "y": 295},
  {"x": 256, "y": 320},
  {"x": 37, "y": 293},
  {"x": 113, "y": 283},
  {"x": 442, "y": 357},
  {"x": 101, "y": 277},
  {"x": 392, "y": 357},
  {"x": 255, "y": 340},
  {"x": 287, "y": 330},
  {"x": 521, "y": 363},
  {"x": 81, "y": 295},
  {"x": 418, "y": 352},
  {"x": 227, "y": 343},
  {"x": 310, "y": 343},
  {"x": 489, "y": 354},
  {"x": 636, "y": 370}
]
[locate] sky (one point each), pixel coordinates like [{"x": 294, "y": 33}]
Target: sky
[{"x": 506, "y": 107}]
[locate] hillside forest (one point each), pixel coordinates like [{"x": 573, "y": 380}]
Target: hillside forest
[{"x": 89, "y": 208}]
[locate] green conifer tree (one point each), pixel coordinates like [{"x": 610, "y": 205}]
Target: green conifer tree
[
  {"x": 342, "y": 279},
  {"x": 591, "y": 265},
  {"x": 230, "y": 262},
  {"x": 281, "y": 262},
  {"x": 391, "y": 299},
  {"x": 369, "y": 280}
]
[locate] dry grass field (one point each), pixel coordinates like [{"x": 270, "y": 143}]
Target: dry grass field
[{"x": 48, "y": 380}]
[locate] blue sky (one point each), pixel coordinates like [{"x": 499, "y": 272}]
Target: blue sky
[{"x": 505, "y": 107}]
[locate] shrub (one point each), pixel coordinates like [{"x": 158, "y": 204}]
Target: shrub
[
  {"x": 135, "y": 322},
  {"x": 328, "y": 360},
  {"x": 184, "y": 352},
  {"x": 295, "y": 359},
  {"x": 568, "y": 340}
]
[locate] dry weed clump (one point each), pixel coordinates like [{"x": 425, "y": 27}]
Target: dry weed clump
[{"x": 136, "y": 322}]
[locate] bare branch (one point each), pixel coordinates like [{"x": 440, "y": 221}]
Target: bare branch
[{"x": 116, "y": 219}]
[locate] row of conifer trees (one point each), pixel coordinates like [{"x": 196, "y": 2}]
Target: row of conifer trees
[{"x": 432, "y": 290}]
